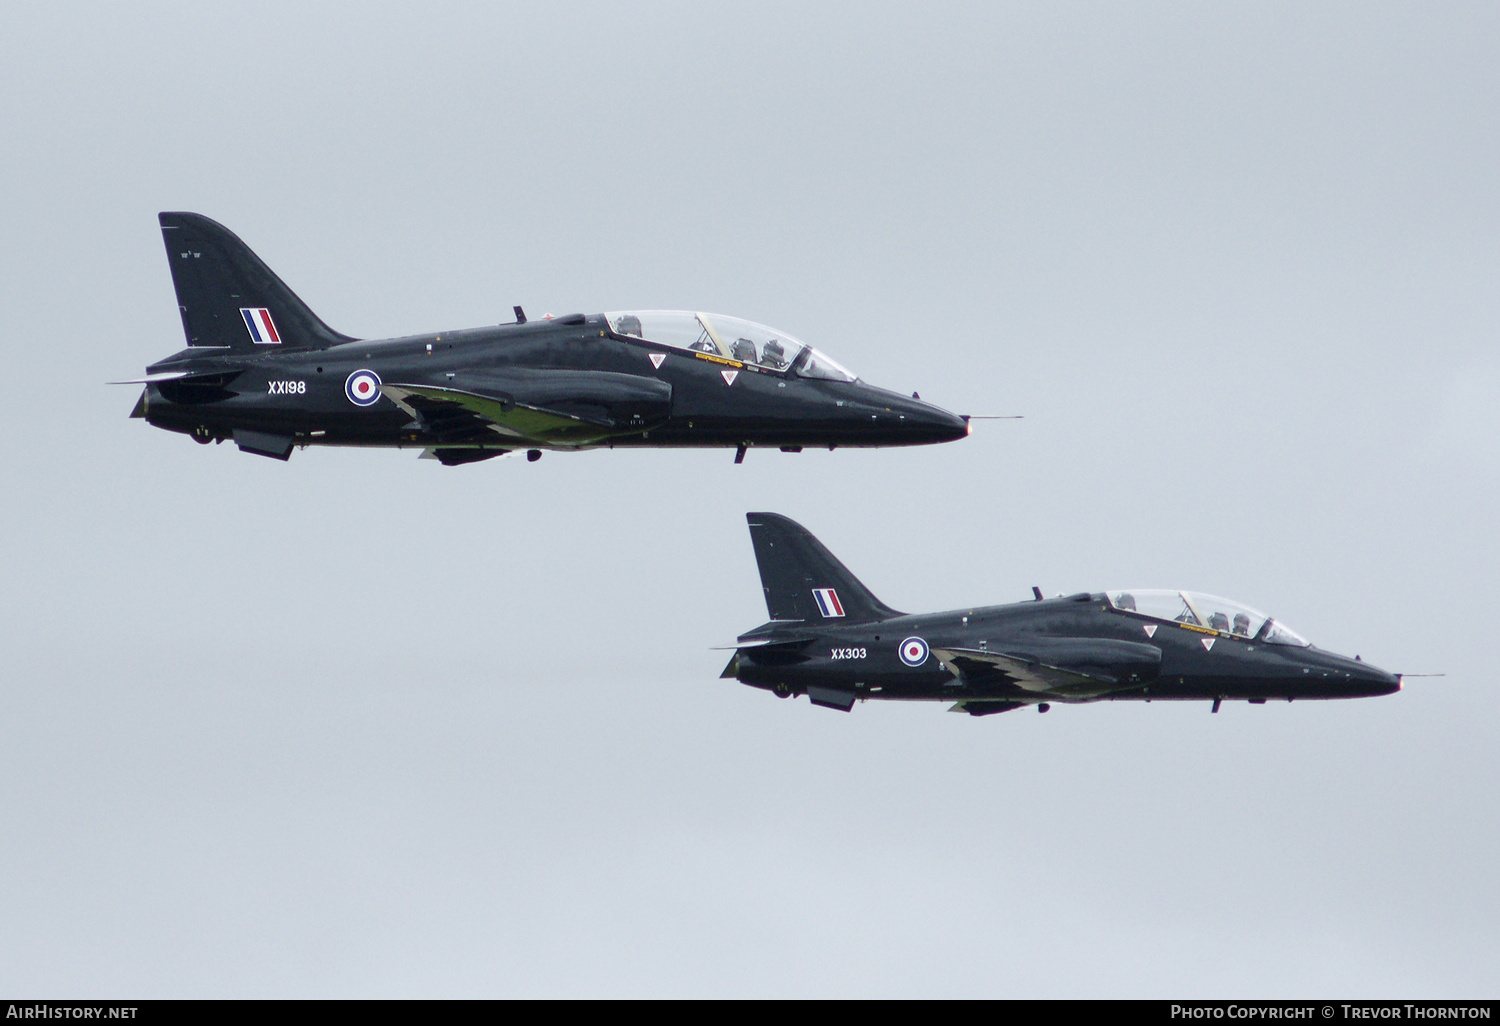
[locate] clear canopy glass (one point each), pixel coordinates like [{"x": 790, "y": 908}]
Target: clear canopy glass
[
  {"x": 731, "y": 337},
  {"x": 1200, "y": 610}
]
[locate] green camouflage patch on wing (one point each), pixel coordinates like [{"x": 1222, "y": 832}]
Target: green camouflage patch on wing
[{"x": 517, "y": 420}]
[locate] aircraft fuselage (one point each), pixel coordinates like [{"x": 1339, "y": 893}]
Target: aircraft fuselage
[
  {"x": 1121, "y": 655},
  {"x": 698, "y": 399}
]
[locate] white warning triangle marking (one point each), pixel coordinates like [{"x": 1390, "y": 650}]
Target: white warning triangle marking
[
  {"x": 657, "y": 358},
  {"x": 1208, "y": 643},
  {"x": 729, "y": 376},
  {"x": 1149, "y": 628}
]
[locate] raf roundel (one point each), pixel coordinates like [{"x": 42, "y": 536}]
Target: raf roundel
[
  {"x": 913, "y": 651},
  {"x": 363, "y": 387}
]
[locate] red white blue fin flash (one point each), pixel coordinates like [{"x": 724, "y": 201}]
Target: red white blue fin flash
[
  {"x": 262, "y": 328},
  {"x": 828, "y": 602}
]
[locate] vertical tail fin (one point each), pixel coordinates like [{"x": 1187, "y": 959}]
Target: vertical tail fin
[
  {"x": 229, "y": 297},
  {"x": 803, "y": 580}
]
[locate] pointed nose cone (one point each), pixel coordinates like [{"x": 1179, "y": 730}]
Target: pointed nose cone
[
  {"x": 943, "y": 426},
  {"x": 1372, "y": 680},
  {"x": 957, "y": 426},
  {"x": 924, "y": 424},
  {"x": 1388, "y": 683}
]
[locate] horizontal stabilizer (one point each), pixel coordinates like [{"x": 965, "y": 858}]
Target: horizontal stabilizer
[
  {"x": 152, "y": 378},
  {"x": 773, "y": 628},
  {"x": 769, "y": 642}
]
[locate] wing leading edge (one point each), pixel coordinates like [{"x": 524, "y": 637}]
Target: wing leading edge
[
  {"x": 558, "y": 408},
  {"x": 1110, "y": 666}
]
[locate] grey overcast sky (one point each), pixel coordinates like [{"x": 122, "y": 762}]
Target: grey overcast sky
[{"x": 363, "y": 725}]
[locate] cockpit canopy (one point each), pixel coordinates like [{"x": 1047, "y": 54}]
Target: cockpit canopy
[
  {"x": 1199, "y": 610},
  {"x": 730, "y": 337}
]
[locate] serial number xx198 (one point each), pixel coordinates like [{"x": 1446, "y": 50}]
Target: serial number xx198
[
  {"x": 848, "y": 653},
  {"x": 286, "y": 387}
]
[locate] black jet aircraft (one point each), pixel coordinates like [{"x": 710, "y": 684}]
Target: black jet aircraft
[
  {"x": 832, "y": 640},
  {"x": 261, "y": 368}
]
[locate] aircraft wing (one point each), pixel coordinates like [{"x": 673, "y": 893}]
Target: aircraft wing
[
  {"x": 1028, "y": 675},
  {"x": 560, "y": 407}
]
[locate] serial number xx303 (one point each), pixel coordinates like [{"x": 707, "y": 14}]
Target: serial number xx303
[
  {"x": 286, "y": 387},
  {"x": 848, "y": 653}
]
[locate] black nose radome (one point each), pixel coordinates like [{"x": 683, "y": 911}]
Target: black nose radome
[
  {"x": 919, "y": 421},
  {"x": 1386, "y": 683},
  {"x": 1371, "y": 680}
]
